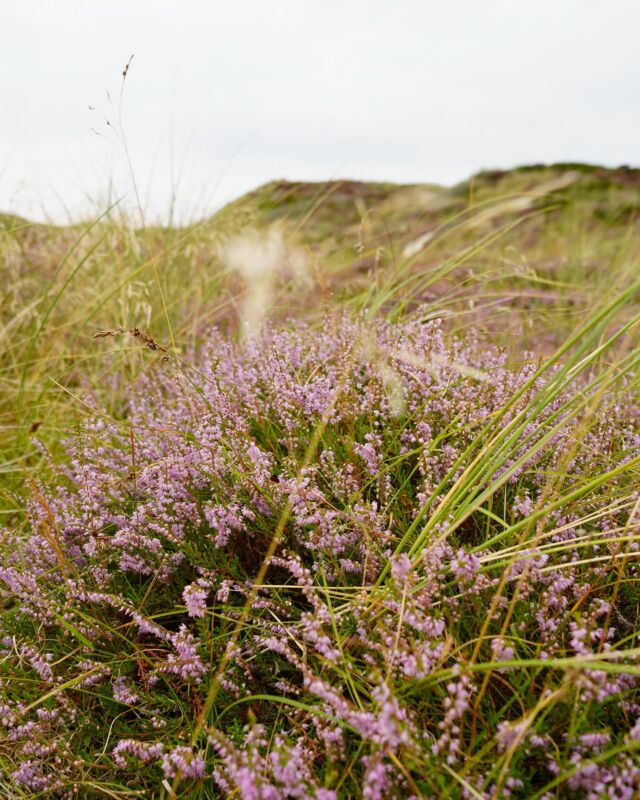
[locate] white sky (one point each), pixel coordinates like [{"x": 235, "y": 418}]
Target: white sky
[{"x": 223, "y": 96}]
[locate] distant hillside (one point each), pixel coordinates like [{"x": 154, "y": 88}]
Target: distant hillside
[
  {"x": 521, "y": 255},
  {"x": 333, "y": 209},
  {"x": 330, "y": 213},
  {"x": 532, "y": 236},
  {"x": 564, "y": 216},
  {"x": 537, "y": 234}
]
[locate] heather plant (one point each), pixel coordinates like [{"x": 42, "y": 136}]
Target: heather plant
[{"x": 358, "y": 559}]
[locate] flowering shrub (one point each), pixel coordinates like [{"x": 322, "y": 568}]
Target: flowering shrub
[{"x": 351, "y": 562}]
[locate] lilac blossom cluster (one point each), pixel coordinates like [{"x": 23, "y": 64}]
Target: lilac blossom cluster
[{"x": 366, "y": 664}]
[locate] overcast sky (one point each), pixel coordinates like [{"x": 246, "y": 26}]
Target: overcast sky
[{"x": 223, "y": 96}]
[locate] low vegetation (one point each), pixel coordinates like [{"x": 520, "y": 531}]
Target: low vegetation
[{"x": 333, "y": 495}]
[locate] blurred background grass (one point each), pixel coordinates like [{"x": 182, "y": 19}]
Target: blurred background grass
[{"x": 522, "y": 256}]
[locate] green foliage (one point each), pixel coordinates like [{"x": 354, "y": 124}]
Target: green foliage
[{"x": 539, "y": 259}]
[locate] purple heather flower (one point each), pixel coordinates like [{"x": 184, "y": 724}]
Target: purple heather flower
[{"x": 182, "y": 759}]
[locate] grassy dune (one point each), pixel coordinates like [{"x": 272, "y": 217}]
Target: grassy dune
[{"x": 334, "y": 494}]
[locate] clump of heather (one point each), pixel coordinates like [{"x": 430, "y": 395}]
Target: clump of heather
[{"x": 357, "y": 561}]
